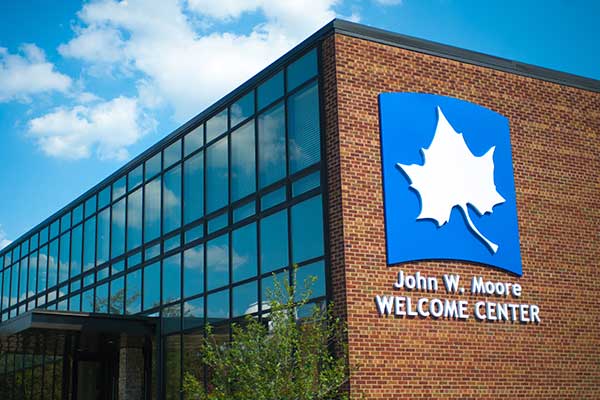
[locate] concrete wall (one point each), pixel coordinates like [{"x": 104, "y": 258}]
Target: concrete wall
[{"x": 554, "y": 134}]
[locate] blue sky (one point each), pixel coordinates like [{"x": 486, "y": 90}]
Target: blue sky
[{"x": 86, "y": 86}]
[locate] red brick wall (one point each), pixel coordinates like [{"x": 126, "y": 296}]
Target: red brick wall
[{"x": 556, "y": 159}]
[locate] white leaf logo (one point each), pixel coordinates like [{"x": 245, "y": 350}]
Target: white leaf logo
[{"x": 453, "y": 176}]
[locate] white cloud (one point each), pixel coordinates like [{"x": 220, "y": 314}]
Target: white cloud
[
  {"x": 179, "y": 66},
  {"x": 4, "y": 241},
  {"x": 106, "y": 128},
  {"x": 28, "y": 73}
]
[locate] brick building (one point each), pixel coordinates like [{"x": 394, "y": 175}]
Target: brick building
[{"x": 314, "y": 118}]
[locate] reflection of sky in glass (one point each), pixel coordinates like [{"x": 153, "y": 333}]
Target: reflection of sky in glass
[
  {"x": 172, "y": 199},
  {"x": 273, "y": 242},
  {"x": 133, "y": 304},
  {"x": 307, "y": 229},
  {"x": 151, "y": 286},
  {"x": 193, "y": 313},
  {"x": 193, "y": 201},
  {"x": 217, "y": 262},
  {"x": 245, "y": 298},
  {"x": 243, "y": 166},
  {"x": 89, "y": 245},
  {"x": 193, "y": 271},
  {"x": 304, "y": 283},
  {"x": 172, "y": 278},
  {"x": 242, "y": 109},
  {"x": 217, "y": 191},
  {"x": 217, "y": 306},
  {"x": 193, "y": 140},
  {"x": 118, "y": 228},
  {"x": 271, "y": 145},
  {"x": 76, "y": 249},
  {"x": 303, "y": 128},
  {"x": 103, "y": 237},
  {"x": 64, "y": 257},
  {"x": 134, "y": 219},
  {"x": 244, "y": 249},
  {"x": 152, "y": 210}
]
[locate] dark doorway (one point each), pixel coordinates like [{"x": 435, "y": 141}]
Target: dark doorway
[{"x": 96, "y": 369}]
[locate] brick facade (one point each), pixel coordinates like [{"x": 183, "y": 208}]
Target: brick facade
[{"x": 554, "y": 135}]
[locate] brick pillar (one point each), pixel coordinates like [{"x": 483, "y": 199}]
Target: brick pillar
[{"x": 131, "y": 369}]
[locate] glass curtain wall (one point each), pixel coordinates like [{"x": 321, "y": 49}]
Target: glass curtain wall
[{"x": 195, "y": 233}]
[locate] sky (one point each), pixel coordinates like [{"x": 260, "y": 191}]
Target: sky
[{"x": 86, "y": 86}]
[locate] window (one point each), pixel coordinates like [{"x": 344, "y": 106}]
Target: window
[
  {"x": 118, "y": 229},
  {"x": 310, "y": 279},
  {"x": 90, "y": 206},
  {"x": 171, "y": 284},
  {"x": 245, "y": 299},
  {"x": 104, "y": 198},
  {"x": 63, "y": 270},
  {"x": 217, "y": 262},
  {"x": 217, "y": 307},
  {"x": 77, "y": 217},
  {"x": 172, "y": 154},
  {"x": 153, "y": 167},
  {"x": 135, "y": 177},
  {"x": 172, "y": 199},
  {"x": 65, "y": 223},
  {"x": 152, "y": 210},
  {"x": 134, "y": 219},
  {"x": 216, "y": 125},
  {"x": 273, "y": 242},
  {"x": 242, "y": 109},
  {"x": 42, "y": 270},
  {"x": 302, "y": 70},
  {"x": 87, "y": 301},
  {"x": 271, "y": 145},
  {"x": 53, "y": 264},
  {"x": 307, "y": 229},
  {"x": 76, "y": 250},
  {"x": 243, "y": 163},
  {"x": 217, "y": 192},
  {"x": 270, "y": 91},
  {"x": 103, "y": 238},
  {"x": 117, "y": 296},
  {"x": 89, "y": 244},
  {"x": 151, "y": 286},
  {"x": 133, "y": 304},
  {"x": 32, "y": 279},
  {"x": 193, "y": 271},
  {"x": 303, "y": 129},
  {"x": 118, "y": 188},
  {"x": 244, "y": 262},
  {"x": 193, "y": 314},
  {"x": 193, "y": 140},
  {"x": 193, "y": 185},
  {"x": 102, "y": 300}
]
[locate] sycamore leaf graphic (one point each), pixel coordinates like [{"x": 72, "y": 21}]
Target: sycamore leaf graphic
[{"x": 453, "y": 176}]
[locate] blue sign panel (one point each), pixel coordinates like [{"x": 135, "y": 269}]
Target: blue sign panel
[{"x": 448, "y": 181}]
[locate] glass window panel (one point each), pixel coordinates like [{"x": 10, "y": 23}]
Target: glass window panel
[
  {"x": 90, "y": 206},
  {"x": 43, "y": 236},
  {"x": 172, "y": 243},
  {"x": 75, "y": 303},
  {"x": 244, "y": 262},
  {"x": 244, "y": 211},
  {"x": 172, "y": 154},
  {"x": 6, "y": 294},
  {"x": 7, "y": 259},
  {"x": 151, "y": 286},
  {"x": 63, "y": 305},
  {"x": 117, "y": 296},
  {"x": 117, "y": 267},
  {"x": 243, "y": 163},
  {"x": 103, "y": 238},
  {"x": 217, "y": 191},
  {"x": 89, "y": 244},
  {"x": 133, "y": 304},
  {"x": 304, "y": 129},
  {"x": 216, "y": 125},
  {"x": 306, "y": 183},
  {"x": 270, "y": 91},
  {"x": 25, "y": 248},
  {"x": 134, "y": 219},
  {"x": 307, "y": 229},
  {"x": 135, "y": 259},
  {"x": 242, "y": 109},
  {"x": 272, "y": 198},
  {"x": 89, "y": 279},
  {"x": 151, "y": 252},
  {"x": 172, "y": 199},
  {"x": 32, "y": 279},
  {"x": 193, "y": 271},
  {"x": 193, "y": 185},
  {"x": 171, "y": 287},
  {"x": 53, "y": 232},
  {"x": 87, "y": 301},
  {"x": 76, "y": 250},
  {"x": 23, "y": 280},
  {"x": 118, "y": 188},
  {"x": 42, "y": 269},
  {"x": 245, "y": 299},
  {"x": 65, "y": 251},
  {"x": 171, "y": 318},
  {"x": 273, "y": 242},
  {"x": 14, "y": 283},
  {"x": 267, "y": 287},
  {"x": 153, "y": 166},
  {"x": 152, "y": 210},
  {"x": 217, "y": 307},
  {"x": 75, "y": 286},
  {"x": 77, "y": 214},
  {"x": 217, "y": 262},
  {"x": 218, "y": 222},
  {"x": 104, "y": 197},
  {"x": 53, "y": 264},
  {"x": 310, "y": 280},
  {"x": 118, "y": 229},
  {"x": 33, "y": 241},
  {"x": 194, "y": 233},
  {"x": 271, "y": 145},
  {"x": 102, "y": 274},
  {"x": 193, "y": 315},
  {"x": 172, "y": 366},
  {"x": 65, "y": 222},
  {"x": 135, "y": 177},
  {"x": 302, "y": 70},
  {"x": 193, "y": 140},
  {"x": 63, "y": 291},
  {"x": 102, "y": 299}
]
